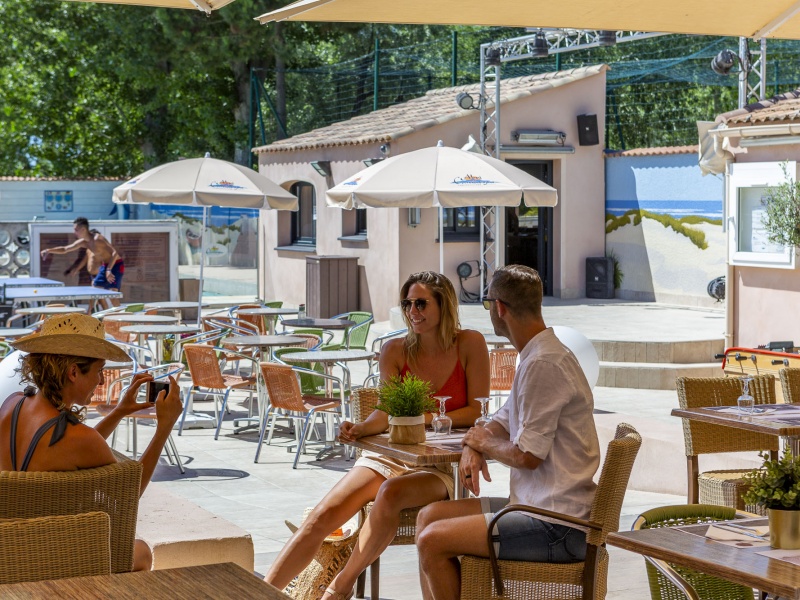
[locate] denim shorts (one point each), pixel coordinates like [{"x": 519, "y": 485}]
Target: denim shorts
[{"x": 520, "y": 536}]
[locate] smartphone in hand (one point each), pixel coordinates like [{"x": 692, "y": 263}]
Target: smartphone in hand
[{"x": 154, "y": 387}]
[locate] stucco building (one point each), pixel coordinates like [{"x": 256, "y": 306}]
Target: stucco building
[{"x": 391, "y": 243}]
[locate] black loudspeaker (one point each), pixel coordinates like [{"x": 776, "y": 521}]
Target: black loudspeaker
[
  {"x": 587, "y": 130},
  {"x": 600, "y": 277}
]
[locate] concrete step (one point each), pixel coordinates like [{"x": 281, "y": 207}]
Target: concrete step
[
  {"x": 678, "y": 352},
  {"x": 652, "y": 376}
]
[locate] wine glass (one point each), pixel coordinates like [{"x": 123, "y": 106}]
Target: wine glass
[
  {"x": 441, "y": 423},
  {"x": 745, "y": 402},
  {"x": 484, "y": 419}
]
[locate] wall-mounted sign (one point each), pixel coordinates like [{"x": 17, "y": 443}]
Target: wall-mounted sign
[{"x": 58, "y": 201}]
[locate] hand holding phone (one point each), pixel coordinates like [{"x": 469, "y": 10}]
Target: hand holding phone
[{"x": 154, "y": 387}]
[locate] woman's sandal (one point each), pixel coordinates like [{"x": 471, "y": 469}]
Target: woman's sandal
[{"x": 338, "y": 595}]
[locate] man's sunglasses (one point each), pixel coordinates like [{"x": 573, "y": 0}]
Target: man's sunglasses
[
  {"x": 419, "y": 303},
  {"x": 487, "y": 302}
]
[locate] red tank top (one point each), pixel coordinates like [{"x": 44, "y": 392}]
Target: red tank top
[{"x": 455, "y": 387}]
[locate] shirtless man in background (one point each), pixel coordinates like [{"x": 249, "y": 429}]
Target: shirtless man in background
[{"x": 103, "y": 261}]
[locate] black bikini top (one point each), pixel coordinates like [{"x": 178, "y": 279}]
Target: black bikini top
[{"x": 59, "y": 423}]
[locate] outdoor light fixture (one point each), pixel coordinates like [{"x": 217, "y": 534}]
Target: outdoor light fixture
[
  {"x": 465, "y": 101},
  {"x": 539, "y": 137},
  {"x": 492, "y": 58},
  {"x": 323, "y": 167},
  {"x": 607, "y": 38},
  {"x": 371, "y": 161},
  {"x": 723, "y": 62},
  {"x": 540, "y": 46}
]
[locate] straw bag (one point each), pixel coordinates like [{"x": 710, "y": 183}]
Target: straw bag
[{"x": 335, "y": 551}]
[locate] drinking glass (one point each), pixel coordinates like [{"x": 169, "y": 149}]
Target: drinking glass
[
  {"x": 745, "y": 402},
  {"x": 484, "y": 419},
  {"x": 441, "y": 423}
]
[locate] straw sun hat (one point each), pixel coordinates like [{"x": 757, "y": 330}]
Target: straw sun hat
[{"x": 73, "y": 335}]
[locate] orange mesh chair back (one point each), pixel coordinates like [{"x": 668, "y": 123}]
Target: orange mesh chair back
[
  {"x": 283, "y": 387},
  {"x": 503, "y": 365},
  {"x": 204, "y": 366},
  {"x": 113, "y": 328}
]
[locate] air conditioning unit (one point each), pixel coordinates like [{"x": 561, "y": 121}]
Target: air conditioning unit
[
  {"x": 600, "y": 277},
  {"x": 539, "y": 137}
]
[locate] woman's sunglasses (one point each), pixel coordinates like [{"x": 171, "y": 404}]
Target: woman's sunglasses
[{"x": 419, "y": 303}]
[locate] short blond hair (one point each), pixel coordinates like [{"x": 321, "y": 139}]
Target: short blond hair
[{"x": 445, "y": 295}]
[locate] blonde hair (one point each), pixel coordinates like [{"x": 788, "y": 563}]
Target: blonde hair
[
  {"x": 445, "y": 295},
  {"x": 48, "y": 372}
]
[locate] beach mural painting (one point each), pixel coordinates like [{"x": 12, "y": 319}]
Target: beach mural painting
[{"x": 664, "y": 226}]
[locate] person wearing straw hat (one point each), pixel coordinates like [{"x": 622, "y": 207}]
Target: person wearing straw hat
[{"x": 44, "y": 425}]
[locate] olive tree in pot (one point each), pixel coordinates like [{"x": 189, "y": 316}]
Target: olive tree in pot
[
  {"x": 776, "y": 486},
  {"x": 406, "y": 400}
]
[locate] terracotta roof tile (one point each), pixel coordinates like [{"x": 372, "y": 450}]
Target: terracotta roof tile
[
  {"x": 434, "y": 108},
  {"x": 660, "y": 151},
  {"x": 783, "y": 107}
]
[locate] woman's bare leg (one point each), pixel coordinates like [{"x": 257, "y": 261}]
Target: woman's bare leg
[
  {"x": 380, "y": 528},
  {"x": 353, "y": 491},
  {"x": 142, "y": 556}
]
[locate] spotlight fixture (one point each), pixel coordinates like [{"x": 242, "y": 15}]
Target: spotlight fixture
[
  {"x": 723, "y": 62},
  {"x": 492, "y": 58},
  {"x": 371, "y": 161},
  {"x": 539, "y": 137},
  {"x": 607, "y": 38},
  {"x": 323, "y": 167},
  {"x": 540, "y": 46},
  {"x": 465, "y": 101}
]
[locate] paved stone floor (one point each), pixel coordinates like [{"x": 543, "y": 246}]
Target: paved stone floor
[{"x": 222, "y": 477}]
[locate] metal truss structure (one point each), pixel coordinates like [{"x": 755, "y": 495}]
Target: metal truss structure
[{"x": 753, "y": 75}]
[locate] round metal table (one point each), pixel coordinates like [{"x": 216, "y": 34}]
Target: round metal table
[
  {"x": 50, "y": 310},
  {"x": 135, "y": 318},
  {"x": 266, "y": 311},
  {"x": 497, "y": 341},
  {"x": 10, "y": 333},
  {"x": 319, "y": 323},
  {"x": 159, "y": 332}
]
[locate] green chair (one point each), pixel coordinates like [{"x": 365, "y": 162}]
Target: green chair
[
  {"x": 324, "y": 335},
  {"x": 355, "y": 337},
  {"x": 667, "y": 580}
]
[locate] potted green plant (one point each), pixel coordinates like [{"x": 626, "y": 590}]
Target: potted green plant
[
  {"x": 406, "y": 400},
  {"x": 776, "y": 486},
  {"x": 781, "y": 218}
]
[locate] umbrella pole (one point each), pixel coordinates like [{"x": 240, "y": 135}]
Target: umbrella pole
[
  {"x": 441, "y": 240},
  {"x": 202, "y": 264}
]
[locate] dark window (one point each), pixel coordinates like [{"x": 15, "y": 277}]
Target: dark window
[
  {"x": 304, "y": 221},
  {"x": 461, "y": 220},
  {"x": 361, "y": 221}
]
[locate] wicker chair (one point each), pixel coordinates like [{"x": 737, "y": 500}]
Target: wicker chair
[
  {"x": 587, "y": 579},
  {"x": 55, "y": 547},
  {"x": 285, "y": 394},
  {"x": 667, "y": 581},
  {"x": 113, "y": 489},
  {"x": 723, "y": 488},
  {"x": 503, "y": 365},
  {"x": 790, "y": 385},
  {"x": 363, "y": 402},
  {"x": 206, "y": 372}
]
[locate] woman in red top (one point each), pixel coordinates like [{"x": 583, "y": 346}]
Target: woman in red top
[{"x": 456, "y": 363}]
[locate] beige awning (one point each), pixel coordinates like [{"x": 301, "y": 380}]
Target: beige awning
[
  {"x": 743, "y": 18},
  {"x": 204, "y": 5}
]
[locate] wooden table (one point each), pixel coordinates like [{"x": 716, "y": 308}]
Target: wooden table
[
  {"x": 435, "y": 451},
  {"x": 266, "y": 311},
  {"x": 223, "y": 580},
  {"x": 783, "y": 422},
  {"x": 319, "y": 323},
  {"x": 740, "y": 565}
]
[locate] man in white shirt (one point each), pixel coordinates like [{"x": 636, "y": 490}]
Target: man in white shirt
[{"x": 545, "y": 432}]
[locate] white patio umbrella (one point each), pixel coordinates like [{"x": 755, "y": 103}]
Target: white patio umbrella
[
  {"x": 205, "y": 182},
  {"x": 441, "y": 177}
]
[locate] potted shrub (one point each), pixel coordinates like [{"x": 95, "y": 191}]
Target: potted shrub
[
  {"x": 406, "y": 400},
  {"x": 781, "y": 218},
  {"x": 776, "y": 486}
]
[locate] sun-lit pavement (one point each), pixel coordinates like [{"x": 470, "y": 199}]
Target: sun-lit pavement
[{"x": 222, "y": 478}]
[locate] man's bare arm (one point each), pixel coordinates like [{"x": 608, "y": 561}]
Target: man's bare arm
[
  {"x": 493, "y": 442},
  {"x": 76, "y": 245}
]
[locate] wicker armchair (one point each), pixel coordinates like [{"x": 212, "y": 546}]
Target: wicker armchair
[
  {"x": 503, "y": 366},
  {"x": 363, "y": 402},
  {"x": 587, "y": 579},
  {"x": 668, "y": 581},
  {"x": 113, "y": 489},
  {"x": 56, "y": 547},
  {"x": 790, "y": 385},
  {"x": 725, "y": 487}
]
